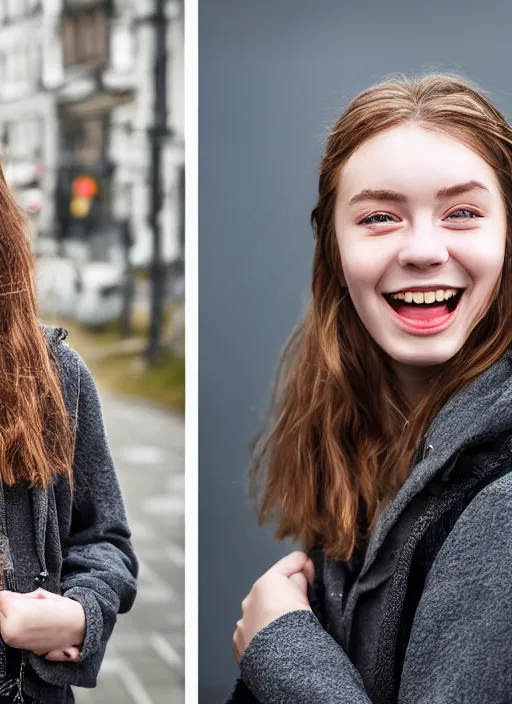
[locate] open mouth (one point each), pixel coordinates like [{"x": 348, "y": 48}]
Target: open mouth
[{"x": 425, "y": 309}]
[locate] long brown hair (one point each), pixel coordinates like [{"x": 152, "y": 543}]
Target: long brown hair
[
  {"x": 341, "y": 438},
  {"x": 36, "y": 437}
]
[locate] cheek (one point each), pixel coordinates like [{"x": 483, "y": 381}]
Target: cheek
[
  {"x": 484, "y": 264},
  {"x": 363, "y": 266}
]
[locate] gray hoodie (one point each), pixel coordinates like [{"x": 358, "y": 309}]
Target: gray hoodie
[
  {"x": 76, "y": 546},
  {"x": 460, "y": 644}
]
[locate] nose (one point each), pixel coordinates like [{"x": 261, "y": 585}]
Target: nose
[{"x": 423, "y": 249}]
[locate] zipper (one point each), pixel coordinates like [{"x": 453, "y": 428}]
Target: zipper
[
  {"x": 424, "y": 450},
  {"x": 428, "y": 449},
  {"x": 11, "y": 584}
]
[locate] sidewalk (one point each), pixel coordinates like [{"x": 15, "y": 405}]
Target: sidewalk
[{"x": 145, "y": 656}]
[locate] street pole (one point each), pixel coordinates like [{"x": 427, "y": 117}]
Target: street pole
[
  {"x": 157, "y": 135},
  {"x": 128, "y": 288}
]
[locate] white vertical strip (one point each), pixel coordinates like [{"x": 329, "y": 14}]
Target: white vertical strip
[{"x": 191, "y": 351}]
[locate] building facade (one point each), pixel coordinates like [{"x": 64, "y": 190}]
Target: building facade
[
  {"x": 27, "y": 107},
  {"x": 134, "y": 36},
  {"x": 77, "y": 100}
]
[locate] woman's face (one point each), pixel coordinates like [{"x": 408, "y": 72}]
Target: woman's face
[{"x": 421, "y": 227}]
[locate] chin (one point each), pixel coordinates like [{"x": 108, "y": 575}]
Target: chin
[{"x": 425, "y": 354}]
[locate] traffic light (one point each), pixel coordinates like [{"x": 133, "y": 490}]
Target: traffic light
[{"x": 84, "y": 189}]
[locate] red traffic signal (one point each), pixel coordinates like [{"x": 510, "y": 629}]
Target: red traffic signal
[{"x": 84, "y": 187}]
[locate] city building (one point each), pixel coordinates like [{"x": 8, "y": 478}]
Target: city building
[
  {"x": 131, "y": 122},
  {"x": 76, "y": 110},
  {"x": 28, "y": 136},
  {"x": 106, "y": 111}
]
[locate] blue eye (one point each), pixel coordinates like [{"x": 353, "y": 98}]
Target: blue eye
[
  {"x": 377, "y": 218},
  {"x": 463, "y": 213}
]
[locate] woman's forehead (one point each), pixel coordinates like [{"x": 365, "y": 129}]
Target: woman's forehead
[{"x": 410, "y": 158}]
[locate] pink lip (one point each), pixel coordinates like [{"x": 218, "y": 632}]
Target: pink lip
[{"x": 425, "y": 327}]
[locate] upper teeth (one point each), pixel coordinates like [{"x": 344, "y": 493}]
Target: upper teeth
[{"x": 425, "y": 296}]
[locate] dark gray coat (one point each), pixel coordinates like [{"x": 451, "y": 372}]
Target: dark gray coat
[
  {"x": 460, "y": 645},
  {"x": 82, "y": 545}
]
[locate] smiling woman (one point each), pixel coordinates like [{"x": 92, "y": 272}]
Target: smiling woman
[
  {"x": 437, "y": 231},
  {"x": 388, "y": 448}
]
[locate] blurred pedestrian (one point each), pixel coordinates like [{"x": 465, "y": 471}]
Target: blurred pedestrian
[
  {"x": 67, "y": 563},
  {"x": 389, "y": 452}
]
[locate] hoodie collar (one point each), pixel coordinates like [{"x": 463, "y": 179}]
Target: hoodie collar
[{"x": 482, "y": 410}]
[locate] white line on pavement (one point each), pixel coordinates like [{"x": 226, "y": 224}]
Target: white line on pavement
[
  {"x": 130, "y": 680},
  {"x": 142, "y": 454},
  {"x": 165, "y": 650},
  {"x": 164, "y": 505},
  {"x": 151, "y": 587},
  {"x": 156, "y": 595}
]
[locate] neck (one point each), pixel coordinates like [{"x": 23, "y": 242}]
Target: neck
[{"x": 414, "y": 382}]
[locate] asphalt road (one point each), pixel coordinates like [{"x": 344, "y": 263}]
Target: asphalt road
[{"x": 144, "y": 663}]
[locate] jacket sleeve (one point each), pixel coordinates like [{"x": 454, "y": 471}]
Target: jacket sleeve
[
  {"x": 241, "y": 693},
  {"x": 294, "y": 660},
  {"x": 99, "y": 566},
  {"x": 460, "y": 648}
]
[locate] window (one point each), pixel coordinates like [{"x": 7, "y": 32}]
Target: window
[
  {"x": 85, "y": 37},
  {"x": 68, "y": 40}
]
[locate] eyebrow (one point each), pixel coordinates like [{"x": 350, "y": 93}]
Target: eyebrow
[{"x": 395, "y": 197}]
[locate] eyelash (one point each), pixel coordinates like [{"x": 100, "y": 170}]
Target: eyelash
[{"x": 368, "y": 219}]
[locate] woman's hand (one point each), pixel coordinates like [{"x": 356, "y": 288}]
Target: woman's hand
[
  {"x": 280, "y": 590},
  {"x": 45, "y": 623}
]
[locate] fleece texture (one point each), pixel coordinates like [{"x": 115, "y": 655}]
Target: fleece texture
[
  {"x": 459, "y": 649},
  {"x": 82, "y": 543}
]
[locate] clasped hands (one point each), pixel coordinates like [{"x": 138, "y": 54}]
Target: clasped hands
[
  {"x": 284, "y": 588},
  {"x": 44, "y": 623}
]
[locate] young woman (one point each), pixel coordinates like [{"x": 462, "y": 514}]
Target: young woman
[
  {"x": 390, "y": 454},
  {"x": 67, "y": 564}
]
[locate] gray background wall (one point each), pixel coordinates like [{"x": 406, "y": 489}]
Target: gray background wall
[{"x": 274, "y": 74}]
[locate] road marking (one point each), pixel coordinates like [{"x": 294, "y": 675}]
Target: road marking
[
  {"x": 164, "y": 505},
  {"x": 143, "y": 454},
  {"x": 155, "y": 595},
  {"x": 110, "y": 666},
  {"x": 152, "y": 588},
  {"x": 165, "y": 650},
  {"x": 132, "y": 683},
  {"x": 175, "y": 555}
]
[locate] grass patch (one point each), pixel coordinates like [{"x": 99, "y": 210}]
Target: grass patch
[
  {"x": 140, "y": 323},
  {"x": 121, "y": 370},
  {"x": 127, "y": 374}
]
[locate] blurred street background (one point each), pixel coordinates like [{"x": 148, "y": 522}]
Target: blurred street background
[{"x": 91, "y": 144}]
